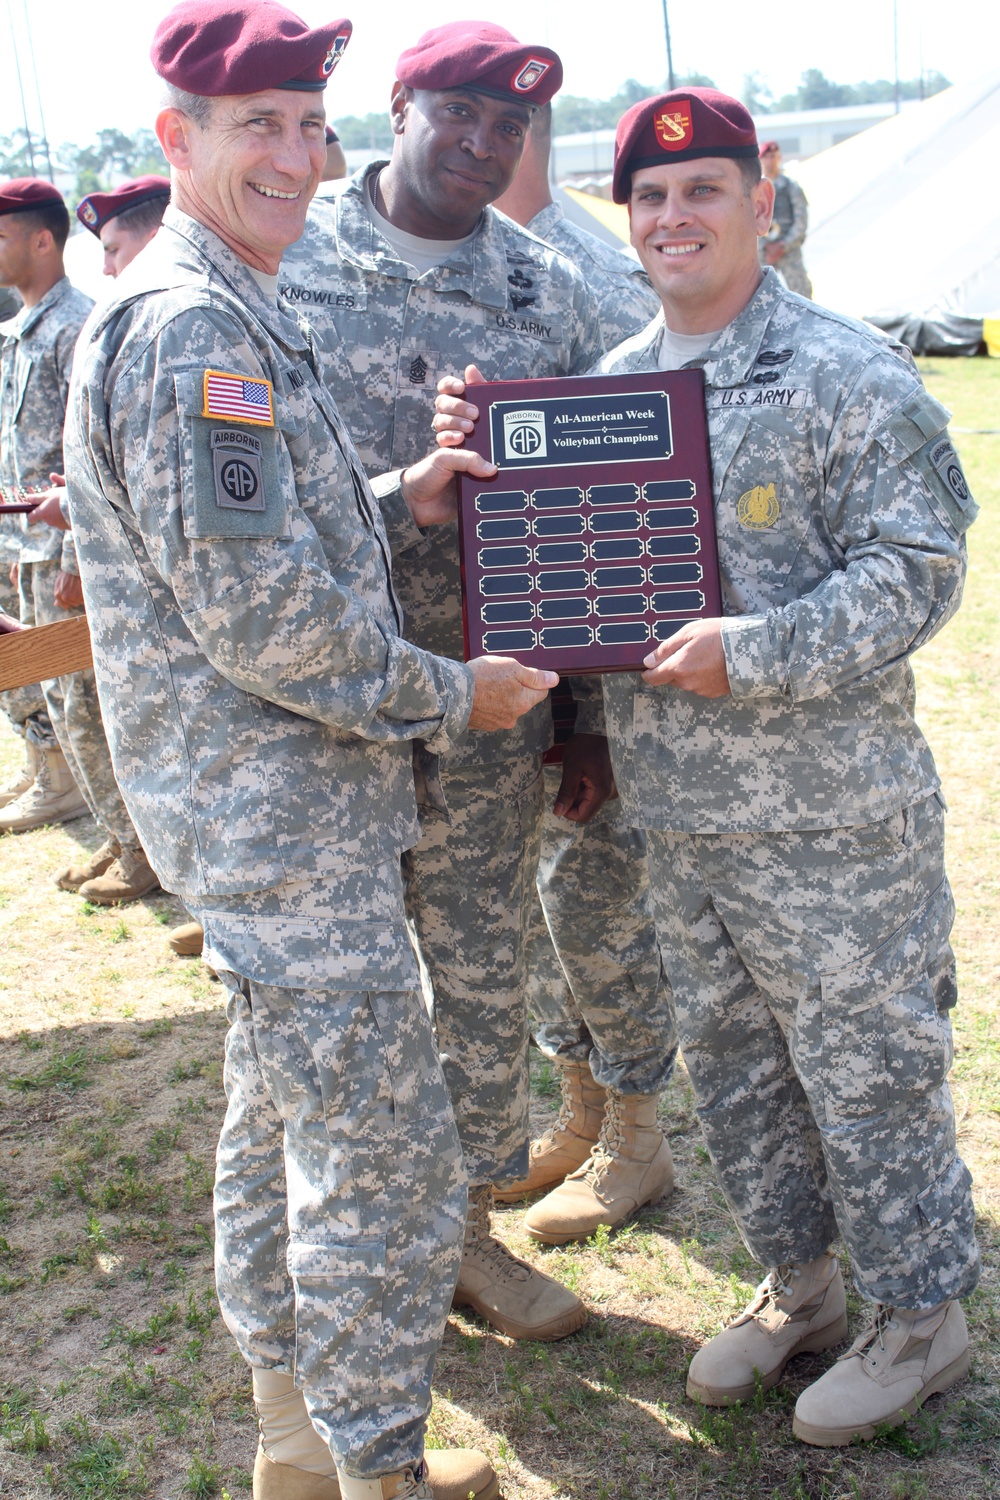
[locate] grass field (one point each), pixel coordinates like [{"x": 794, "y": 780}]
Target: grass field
[{"x": 117, "y": 1377}]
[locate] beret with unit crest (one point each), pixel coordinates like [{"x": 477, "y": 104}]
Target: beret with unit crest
[
  {"x": 214, "y": 47},
  {"x": 484, "y": 57},
  {"x": 680, "y": 126},
  {"x": 97, "y": 209}
]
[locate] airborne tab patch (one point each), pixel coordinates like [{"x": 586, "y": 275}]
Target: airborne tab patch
[
  {"x": 234, "y": 398},
  {"x": 236, "y": 459}
]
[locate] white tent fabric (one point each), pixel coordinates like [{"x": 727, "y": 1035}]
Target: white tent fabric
[{"x": 905, "y": 217}]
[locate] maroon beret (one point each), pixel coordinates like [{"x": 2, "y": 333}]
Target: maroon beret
[
  {"x": 767, "y": 146},
  {"x": 213, "y": 47},
  {"x": 22, "y": 194},
  {"x": 96, "y": 209},
  {"x": 680, "y": 126},
  {"x": 482, "y": 56}
]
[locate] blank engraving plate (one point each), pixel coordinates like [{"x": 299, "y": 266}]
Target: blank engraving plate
[{"x": 596, "y": 539}]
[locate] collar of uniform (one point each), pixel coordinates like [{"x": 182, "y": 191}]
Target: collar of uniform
[
  {"x": 543, "y": 223},
  {"x": 24, "y": 320},
  {"x": 283, "y": 326},
  {"x": 479, "y": 269},
  {"x": 730, "y": 360}
]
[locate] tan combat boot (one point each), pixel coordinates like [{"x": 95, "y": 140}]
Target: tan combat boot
[
  {"x": 53, "y": 797},
  {"x": 899, "y": 1360},
  {"x": 797, "y": 1309},
  {"x": 294, "y": 1463},
  {"x": 449, "y": 1474},
  {"x": 127, "y": 878},
  {"x": 74, "y": 876},
  {"x": 24, "y": 778},
  {"x": 508, "y": 1292},
  {"x": 631, "y": 1165},
  {"x": 444, "y": 1474},
  {"x": 187, "y": 940},
  {"x": 566, "y": 1144}
]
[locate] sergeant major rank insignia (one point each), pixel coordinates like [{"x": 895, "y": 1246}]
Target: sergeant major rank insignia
[{"x": 236, "y": 467}]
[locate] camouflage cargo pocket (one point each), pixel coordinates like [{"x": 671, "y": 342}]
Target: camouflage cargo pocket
[
  {"x": 885, "y": 1036},
  {"x": 338, "y": 1309}
]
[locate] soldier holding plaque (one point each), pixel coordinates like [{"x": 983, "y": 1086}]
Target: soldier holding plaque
[{"x": 792, "y": 807}]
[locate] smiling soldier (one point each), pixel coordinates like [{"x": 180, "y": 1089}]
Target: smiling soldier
[
  {"x": 792, "y": 807},
  {"x": 261, "y": 707},
  {"x": 408, "y": 273}
]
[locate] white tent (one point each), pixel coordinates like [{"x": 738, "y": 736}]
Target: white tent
[{"x": 905, "y": 218}]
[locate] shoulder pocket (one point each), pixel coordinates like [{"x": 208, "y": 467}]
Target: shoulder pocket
[
  {"x": 236, "y": 478},
  {"x": 917, "y": 433}
]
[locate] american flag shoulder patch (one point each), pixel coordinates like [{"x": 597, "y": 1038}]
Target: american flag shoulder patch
[{"x": 238, "y": 399}]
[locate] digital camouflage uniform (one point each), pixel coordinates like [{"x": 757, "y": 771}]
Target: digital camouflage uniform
[
  {"x": 603, "y": 999},
  {"x": 625, "y": 296},
  {"x": 788, "y": 227},
  {"x": 36, "y": 355},
  {"x": 261, "y": 707},
  {"x": 795, "y": 828},
  {"x": 517, "y": 309}
]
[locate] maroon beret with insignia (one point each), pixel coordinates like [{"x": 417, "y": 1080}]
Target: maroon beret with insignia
[
  {"x": 22, "y": 194},
  {"x": 767, "y": 146},
  {"x": 96, "y": 209},
  {"x": 213, "y": 47},
  {"x": 484, "y": 57},
  {"x": 680, "y": 126}
]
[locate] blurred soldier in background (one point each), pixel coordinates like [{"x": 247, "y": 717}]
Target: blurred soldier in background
[
  {"x": 126, "y": 219},
  {"x": 782, "y": 246}
]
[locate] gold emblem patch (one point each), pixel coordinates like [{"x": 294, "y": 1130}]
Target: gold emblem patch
[{"x": 759, "y": 507}]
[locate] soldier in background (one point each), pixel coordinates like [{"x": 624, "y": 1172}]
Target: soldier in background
[
  {"x": 782, "y": 246},
  {"x": 596, "y": 990},
  {"x": 126, "y": 219},
  {"x": 261, "y": 707},
  {"x": 792, "y": 808},
  {"x": 336, "y": 161},
  {"x": 68, "y": 769},
  {"x": 74, "y": 772},
  {"x": 624, "y": 292}
]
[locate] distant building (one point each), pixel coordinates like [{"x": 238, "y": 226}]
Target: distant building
[{"x": 585, "y": 159}]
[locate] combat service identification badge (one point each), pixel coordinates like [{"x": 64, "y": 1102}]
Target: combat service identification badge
[
  {"x": 236, "y": 399},
  {"x": 530, "y": 75},
  {"x": 236, "y": 466},
  {"x": 673, "y": 127},
  {"x": 758, "y": 508}
]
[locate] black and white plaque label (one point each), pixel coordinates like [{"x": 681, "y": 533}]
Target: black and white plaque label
[{"x": 562, "y": 430}]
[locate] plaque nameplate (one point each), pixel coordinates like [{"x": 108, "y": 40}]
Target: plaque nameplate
[{"x": 596, "y": 539}]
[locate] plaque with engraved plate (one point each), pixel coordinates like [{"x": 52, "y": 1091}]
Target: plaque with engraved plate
[{"x": 596, "y": 539}]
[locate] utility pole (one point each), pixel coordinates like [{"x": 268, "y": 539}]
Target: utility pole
[
  {"x": 895, "y": 52},
  {"x": 670, "y": 55}
]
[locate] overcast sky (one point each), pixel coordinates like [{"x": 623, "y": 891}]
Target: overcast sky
[{"x": 93, "y": 60}]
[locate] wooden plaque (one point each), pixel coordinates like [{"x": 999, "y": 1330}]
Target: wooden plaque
[
  {"x": 28, "y": 656},
  {"x": 596, "y": 539}
]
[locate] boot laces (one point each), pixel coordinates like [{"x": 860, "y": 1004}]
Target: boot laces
[
  {"x": 609, "y": 1142},
  {"x": 767, "y": 1297},
  {"x": 485, "y": 1244},
  {"x": 881, "y": 1319},
  {"x": 561, "y": 1121}
]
